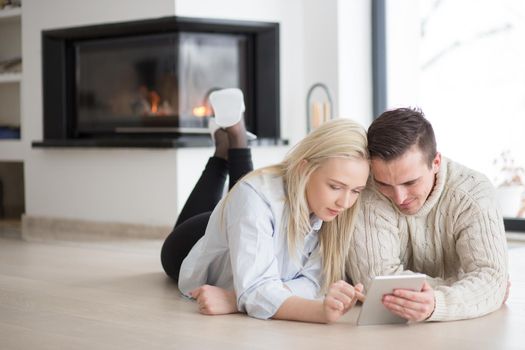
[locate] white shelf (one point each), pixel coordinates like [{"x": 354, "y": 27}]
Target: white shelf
[
  {"x": 10, "y": 13},
  {"x": 11, "y": 150},
  {"x": 10, "y": 77}
]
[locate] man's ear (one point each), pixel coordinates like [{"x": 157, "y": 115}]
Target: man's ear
[{"x": 436, "y": 163}]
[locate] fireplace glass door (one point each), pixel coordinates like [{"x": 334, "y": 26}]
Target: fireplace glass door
[{"x": 155, "y": 83}]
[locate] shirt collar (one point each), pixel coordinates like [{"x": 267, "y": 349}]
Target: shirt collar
[{"x": 315, "y": 222}]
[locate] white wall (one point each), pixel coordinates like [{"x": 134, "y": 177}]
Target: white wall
[
  {"x": 321, "y": 55},
  {"x": 355, "y": 60},
  {"x": 148, "y": 186},
  {"x": 337, "y": 52}
]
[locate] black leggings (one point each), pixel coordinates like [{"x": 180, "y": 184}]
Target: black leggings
[{"x": 193, "y": 219}]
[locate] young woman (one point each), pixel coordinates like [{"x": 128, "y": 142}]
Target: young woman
[{"x": 279, "y": 239}]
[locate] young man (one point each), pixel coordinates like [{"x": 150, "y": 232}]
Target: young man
[{"x": 425, "y": 213}]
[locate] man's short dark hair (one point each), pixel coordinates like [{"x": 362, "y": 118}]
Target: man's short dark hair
[{"x": 394, "y": 132}]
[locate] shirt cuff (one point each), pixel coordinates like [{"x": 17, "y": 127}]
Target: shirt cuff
[
  {"x": 303, "y": 287},
  {"x": 264, "y": 301}
]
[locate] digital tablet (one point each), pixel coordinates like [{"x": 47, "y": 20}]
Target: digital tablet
[{"x": 373, "y": 311}]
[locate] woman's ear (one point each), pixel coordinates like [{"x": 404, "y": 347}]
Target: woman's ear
[{"x": 303, "y": 164}]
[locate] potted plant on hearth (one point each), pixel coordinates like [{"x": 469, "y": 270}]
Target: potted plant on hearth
[{"x": 510, "y": 185}]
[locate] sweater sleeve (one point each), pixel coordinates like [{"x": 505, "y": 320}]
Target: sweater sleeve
[{"x": 482, "y": 280}]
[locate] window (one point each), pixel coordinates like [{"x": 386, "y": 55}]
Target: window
[{"x": 462, "y": 62}]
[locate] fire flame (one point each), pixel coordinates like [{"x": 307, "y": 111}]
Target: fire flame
[
  {"x": 201, "y": 111},
  {"x": 154, "y": 101}
]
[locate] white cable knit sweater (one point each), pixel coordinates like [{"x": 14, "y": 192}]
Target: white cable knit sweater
[{"x": 457, "y": 239}]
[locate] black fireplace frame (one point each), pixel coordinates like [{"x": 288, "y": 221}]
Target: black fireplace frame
[{"x": 58, "y": 67}]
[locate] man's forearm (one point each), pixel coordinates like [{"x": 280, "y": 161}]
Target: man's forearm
[{"x": 468, "y": 298}]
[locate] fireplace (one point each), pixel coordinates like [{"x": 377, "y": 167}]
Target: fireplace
[{"x": 146, "y": 83}]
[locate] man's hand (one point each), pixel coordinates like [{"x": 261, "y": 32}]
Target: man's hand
[
  {"x": 413, "y": 306},
  {"x": 340, "y": 298},
  {"x": 214, "y": 300}
]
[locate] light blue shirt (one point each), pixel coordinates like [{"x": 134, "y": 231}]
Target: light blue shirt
[{"x": 245, "y": 249}]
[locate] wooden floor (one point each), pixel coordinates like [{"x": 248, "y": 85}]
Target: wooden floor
[{"x": 115, "y": 296}]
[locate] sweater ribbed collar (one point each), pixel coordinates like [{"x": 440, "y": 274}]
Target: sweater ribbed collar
[{"x": 437, "y": 191}]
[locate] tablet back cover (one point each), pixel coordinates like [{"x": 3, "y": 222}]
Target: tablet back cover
[{"x": 373, "y": 311}]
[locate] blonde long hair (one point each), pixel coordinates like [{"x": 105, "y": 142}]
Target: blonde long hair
[{"x": 337, "y": 138}]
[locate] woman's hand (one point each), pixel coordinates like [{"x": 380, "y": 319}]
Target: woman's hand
[
  {"x": 340, "y": 298},
  {"x": 214, "y": 300}
]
